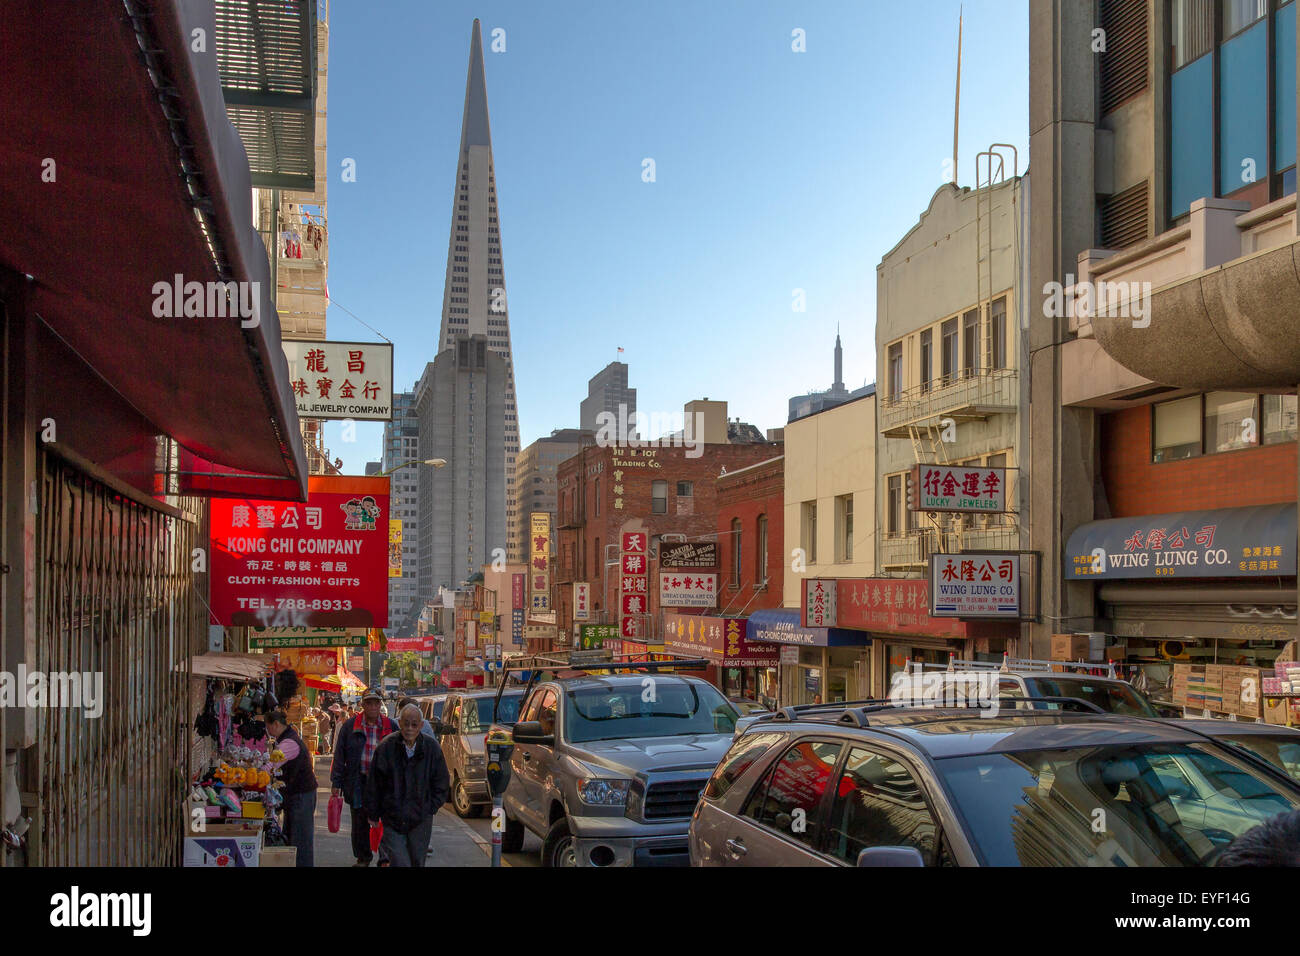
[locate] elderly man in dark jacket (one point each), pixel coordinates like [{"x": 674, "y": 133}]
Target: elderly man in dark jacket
[
  {"x": 406, "y": 786},
  {"x": 354, "y": 749}
]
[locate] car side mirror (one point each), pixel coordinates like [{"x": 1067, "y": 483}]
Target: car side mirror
[
  {"x": 530, "y": 732},
  {"x": 890, "y": 856}
]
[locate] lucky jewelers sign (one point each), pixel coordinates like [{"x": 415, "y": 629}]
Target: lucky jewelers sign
[{"x": 288, "y": 564}]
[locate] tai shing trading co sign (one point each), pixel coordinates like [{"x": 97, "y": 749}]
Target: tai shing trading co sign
[
  {"x": 958, "y": 488},
  {"x": 975, "y": 585}
]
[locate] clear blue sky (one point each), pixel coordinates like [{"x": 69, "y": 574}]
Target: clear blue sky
[{"x": 775, "y": 171}]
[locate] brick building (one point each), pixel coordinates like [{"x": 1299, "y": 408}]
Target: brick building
[{"x": 604, "y": 491}]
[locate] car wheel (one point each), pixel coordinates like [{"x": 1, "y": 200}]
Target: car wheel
[
  {"x": 512, "y": 840},
  {"x": 559, "y": 847},
  {"x": 460, "y": 801}
]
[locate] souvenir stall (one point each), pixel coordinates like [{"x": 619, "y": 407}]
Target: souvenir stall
[{"x": 235, "y": 767}]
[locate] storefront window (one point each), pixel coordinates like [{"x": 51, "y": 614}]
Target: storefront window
[{"x": 1279, "y": 418}]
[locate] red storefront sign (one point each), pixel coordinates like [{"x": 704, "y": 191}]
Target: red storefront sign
[
  {"x": 396, "y": 644},
  {"x": 517, "y": 591},
  {"x": 739, "y": 652},
  {"x": 633, "y": 601},
  {"x": 900, "y": 606},
  {"x": 634, "y": 542},
  {"x": 634, "y": 604},
  {"x": 319, "y": 564}
]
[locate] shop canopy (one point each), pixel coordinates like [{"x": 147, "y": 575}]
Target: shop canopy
[
  {"x": 120, "y": 174},
  {"x": 231, "y": 666},
  {"x": 340, "y": 682},
  {"x": 782, "y": 626},
  {"x": 1255, "y": 542}
]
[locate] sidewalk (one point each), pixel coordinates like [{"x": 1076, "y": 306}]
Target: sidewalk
[{"x": 453, "y": 842}]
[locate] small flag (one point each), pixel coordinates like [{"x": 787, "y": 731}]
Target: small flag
[{"x": 620, "y": 348}]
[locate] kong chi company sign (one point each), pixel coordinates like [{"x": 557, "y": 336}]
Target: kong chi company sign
[
  {"x": 338, "y": 380},
  {"x": 287, "y": 564}
]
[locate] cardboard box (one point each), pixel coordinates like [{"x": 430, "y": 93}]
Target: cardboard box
[
  {"x": 1070, "y": 647},
  {"x": 223, "y": 844},
  {"x": 279, "y": 856}
]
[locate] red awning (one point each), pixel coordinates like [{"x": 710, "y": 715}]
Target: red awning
[{"x": 97, "y": 210}]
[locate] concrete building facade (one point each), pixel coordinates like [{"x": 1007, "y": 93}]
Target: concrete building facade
[
  {"x": 948, "y": 348},
  {"x": 1165, "y": 324},
  {"x": 535, "y": 470},
  {"x": 608, "y": 391},
  {"x": 402, "y": 444}
]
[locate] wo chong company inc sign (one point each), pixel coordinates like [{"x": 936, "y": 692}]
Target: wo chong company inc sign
[{"x": 323, "y": 563}]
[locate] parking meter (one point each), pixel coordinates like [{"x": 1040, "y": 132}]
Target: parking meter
[{"x": 499, "y": 746}]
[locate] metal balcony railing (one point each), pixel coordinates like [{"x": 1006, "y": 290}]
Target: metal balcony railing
[
  {"x": 967, "y": 394},
  {"x": 955, "y": 533}
]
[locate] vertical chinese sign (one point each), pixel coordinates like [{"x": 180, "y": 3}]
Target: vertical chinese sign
[
  {"x": 517, "y": 606},
  {"x": 319, "y": 564},
  {"x": 395, "y": 548},
  {"x": 581, "y": 600},
  {"x": 635, "y": 585},
  {"x": 819, "y": 603},
  {"x": 539, "y": 564}
]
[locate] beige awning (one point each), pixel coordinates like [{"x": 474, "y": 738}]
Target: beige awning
[{"x": 232, "y": 666}]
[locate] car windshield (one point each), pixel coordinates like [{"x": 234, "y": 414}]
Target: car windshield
[
  {"x": 477, "y": 712},
  {"x": 1139, "y": 805},
  {"x": 1114, "y": 697},
  {"x": 1283, "y": 752},
  {"x": 646, "y": 710}
]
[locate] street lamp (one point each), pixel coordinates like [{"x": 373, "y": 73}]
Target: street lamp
[{"x": 434, "y": 462}]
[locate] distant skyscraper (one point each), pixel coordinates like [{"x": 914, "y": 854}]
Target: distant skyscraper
[
  {"x": 535, "y": 475},
  {"x": 402, "y": 444},
  {"x": 837, "y": 394},
  {"x": 474, "y": 295},
  {"x": 606, "y": 390},
  {"x": 460, "y": 401}
]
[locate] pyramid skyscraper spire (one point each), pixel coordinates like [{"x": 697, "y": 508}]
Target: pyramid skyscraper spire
[{"x": 474, "y": 295}]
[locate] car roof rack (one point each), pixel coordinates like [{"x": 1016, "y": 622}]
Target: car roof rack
[
  {"x": 857, "y": 713},
  {"x": 538, "y": 663},
  {"x": 1008, "y": 664}
]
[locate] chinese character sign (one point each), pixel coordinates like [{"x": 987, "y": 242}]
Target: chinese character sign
[
  {"x": 635, "y": 592},
  {"x": 395, "y": 548},
  {"x": 958, "y": 488},
  {"x": 688, "y": 589},
  {"x": 819, "y": 603},
  {"x": 975, "y": 585},
  {"x": 341, "y": 380},
  {"x": 690, "y": 636},
  {"x": 539, "y": 564},
  {"x": 323, "y": 563},
  {"x": 581, "y": 600}
]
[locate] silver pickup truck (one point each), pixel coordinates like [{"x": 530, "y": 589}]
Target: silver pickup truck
[{"x": 607, "y": 770}]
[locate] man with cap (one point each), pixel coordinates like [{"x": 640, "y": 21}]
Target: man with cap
[
  {"x": 354, "y": 749},
  {"x": 299, "y": 790}
]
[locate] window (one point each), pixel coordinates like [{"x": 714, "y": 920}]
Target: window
[
  {"x": 810, "y": 531},
  {"x": 879, "y": 803},
  {"x": 735, "y": 552},
  {"x": 659, "y": 498},
  {"x": 796, "y": 783},
  {"x": 1230, "y": 419},
  {"x": 895, "y": 371},
  {"x": 998, "y": 334},
  {"x": 760, "y": 553},
  {"x": 844, "y": 518},
  {"x": 739, "y": 758},
  {"x": 1279, "y": 419},
  {"x": 597, "y": 486},
  {"x": 894, "y": 504},
  {"x": 948, "y": 357},
  {"x": 971, "y": 342},
  {"x": 927, "y": 358},
  {"x": 1177, "y": 429},
  {"x": 685, "y": 489}
]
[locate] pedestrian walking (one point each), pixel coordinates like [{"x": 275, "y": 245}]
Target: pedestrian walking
[
  {"x": 300, "y": 785},
  {"x": 426, "y": 728},
  {"x": 407, "y": 785},
  {"x": 354, "y": 749},
  {"x": 324, "y": 726}
]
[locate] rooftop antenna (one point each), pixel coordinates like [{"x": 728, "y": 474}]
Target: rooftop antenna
[{"x": 956, "y": 109}]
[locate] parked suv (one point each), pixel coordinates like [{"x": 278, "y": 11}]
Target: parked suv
[
  {"x": 461, "y": 731},
  {"x": 607, "y": 770},
  {"x": 885, "y": 785}
]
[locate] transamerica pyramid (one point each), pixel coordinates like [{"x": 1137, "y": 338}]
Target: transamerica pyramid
[{"x": 474, "y": 295}]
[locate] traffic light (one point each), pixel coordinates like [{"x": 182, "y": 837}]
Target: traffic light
[{"x": 910, "y": 481}]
